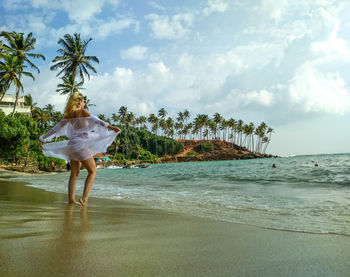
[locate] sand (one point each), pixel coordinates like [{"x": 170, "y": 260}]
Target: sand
[{"x": 41, "y": 235}]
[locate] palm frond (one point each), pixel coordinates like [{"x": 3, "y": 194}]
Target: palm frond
[
  {"x": 92, "y": 58},
  {"x": 36, "y": 56},
  {"x": 28, "y": 74}
]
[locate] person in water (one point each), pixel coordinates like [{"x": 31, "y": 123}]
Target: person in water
[{"x": 87, "y": 136}]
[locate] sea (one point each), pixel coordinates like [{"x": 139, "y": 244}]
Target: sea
[{"x": 295, "y": 196}]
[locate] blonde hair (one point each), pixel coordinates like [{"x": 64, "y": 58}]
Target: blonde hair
[{"x": 72, "y": 104}]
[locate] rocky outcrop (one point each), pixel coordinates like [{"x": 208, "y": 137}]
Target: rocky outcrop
[{"x": 223, "y": 150}]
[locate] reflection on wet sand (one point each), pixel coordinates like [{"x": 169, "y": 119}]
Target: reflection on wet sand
[{"x": 71, "y": 243}]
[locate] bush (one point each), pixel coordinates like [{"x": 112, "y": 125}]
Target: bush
[
  {"x": 157, "y": 145},
  {"x": 204, "y": 147},
  {"x": 145, "y": 155},
  {"x": 191, "y": 154},
  {"x": 44, "y": 162}
]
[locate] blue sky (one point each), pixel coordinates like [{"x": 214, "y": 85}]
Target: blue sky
[{"x": 282, "y": 62}]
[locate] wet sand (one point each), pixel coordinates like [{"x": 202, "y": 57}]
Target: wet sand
[{"x": 41, "y": 235}]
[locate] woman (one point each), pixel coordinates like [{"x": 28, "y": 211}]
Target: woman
[{"x": 87, "y": 136}]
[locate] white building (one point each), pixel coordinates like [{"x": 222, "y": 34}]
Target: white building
[{"x": 7, "y": 103}]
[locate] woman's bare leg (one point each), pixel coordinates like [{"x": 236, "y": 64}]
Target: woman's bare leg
[
  {"x": 90, "y": 166},
  {"x": 74, "y": 173}
]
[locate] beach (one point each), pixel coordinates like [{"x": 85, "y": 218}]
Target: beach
[{"x": 43, "y": 236}]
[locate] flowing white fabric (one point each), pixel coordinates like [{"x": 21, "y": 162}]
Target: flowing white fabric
[{"x": 87, "y": 136}]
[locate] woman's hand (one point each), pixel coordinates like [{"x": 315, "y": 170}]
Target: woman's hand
[
  {"x": 41, "y": 144},
  {"x": 115, "y": 129}
]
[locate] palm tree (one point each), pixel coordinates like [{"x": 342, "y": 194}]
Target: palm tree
[
  {"x": 239, "y": 128},
  {"x": 20, "y": 46},
  {"x": 213, "y": 128},
  {"x": 224, "y": 128},
  {"x": 28, "y": 101},
  {"x": 153, "y": 119},
  {"x": 162, "y": 125},
  {"x": 186, "y": 115},
  {"x": 123, "y": 112},
  {"x": 115, "y": 118},
  {"x": 69, "y": 85},
  {"x": 169, "y": 127},
  {"x": 2, "y": 83},
  {"x": 251, "y": 134},
  {"x": 2, "y": 88},
  {"x": 199, "y": 122},
  {"x": 72, "y": 60},
  {"x": 217, "y": 119},
  {"x": 102, "y": 117},
  {"x": 141, "y": 121},
  {"x": 130, "y": 119},
  {"x": 179, "y": 128},
  {"x": 56, "y": 117},
  {"x": 187, "y": 128},
  {"x": 162, "y": 113},
  {"x": 11, "y": 71},
  {"x": 269, "y": 131},
  {"x": 49, "y": 109},
  {"x": 40, "y": 116},
  {"x": 232, "y": 124},
  {"x": 260, "y": 132},
  {"x": 180, "y": 117},
  {"x": 87, "y": 102}
]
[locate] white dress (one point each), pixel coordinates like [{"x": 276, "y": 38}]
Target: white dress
[{"x": 87, "y": 136}]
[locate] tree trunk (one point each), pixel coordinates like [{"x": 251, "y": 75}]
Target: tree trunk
[
  {"x": 17, "y": 95},
  {"x": 4, "y": 92},
  {"x": 74, "y": 76}
]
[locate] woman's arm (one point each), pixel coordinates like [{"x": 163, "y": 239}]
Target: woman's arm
[
  {"x": 48, "y": 136},
  {"x": 59, "y": 130}
]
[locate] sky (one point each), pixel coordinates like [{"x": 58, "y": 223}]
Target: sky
[{"x": 285, "y": 63}]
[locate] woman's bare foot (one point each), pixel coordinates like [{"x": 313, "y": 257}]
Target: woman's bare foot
[
  {"x": 74, "y": 202},
  {"x": 83, "y": 201}
]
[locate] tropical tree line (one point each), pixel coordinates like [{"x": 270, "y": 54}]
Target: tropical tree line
[{"x": 255, "y": 138}]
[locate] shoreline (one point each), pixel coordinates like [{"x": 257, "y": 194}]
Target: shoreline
[{"x": 43, "y": 236}]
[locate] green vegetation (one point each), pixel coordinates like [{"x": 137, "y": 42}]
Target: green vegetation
[
  {"x": 19, "y": 140},
  {"x": 204, "y": 147},
  {"x": 191, "y": 154},
  {"x": 72, "y": 62},
  {"x": 14, "y": 58}
]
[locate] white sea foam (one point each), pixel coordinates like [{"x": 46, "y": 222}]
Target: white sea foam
[{"x": 295, "y": 196}]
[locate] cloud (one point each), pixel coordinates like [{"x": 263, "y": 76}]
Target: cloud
[
  {"x": 136, "y": 90},
  {"x": 43, "y": 89},
  {"x": 312, "y": 91},
  {"x": 273, "y": 9},
  {"x": 12, "y": 5},
  {"x": 331, "y": 45},
  {"x": 215, "y": 6},
  {"x": 47, "y": 35},
  {"x": 136, "y": 52},
  {"x": 155, "y": 5},
  {"x": 237, "y": 99},
  {"x": 82, "y": 10},
  {"x": 78, "y": 10},
  {"x": 108, "y": 28},
  {"x": 170, "y": 27}
]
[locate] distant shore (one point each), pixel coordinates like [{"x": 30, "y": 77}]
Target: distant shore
[
  {"x": 43, "y": 236},
  {"x": 222, "y": 150}
]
